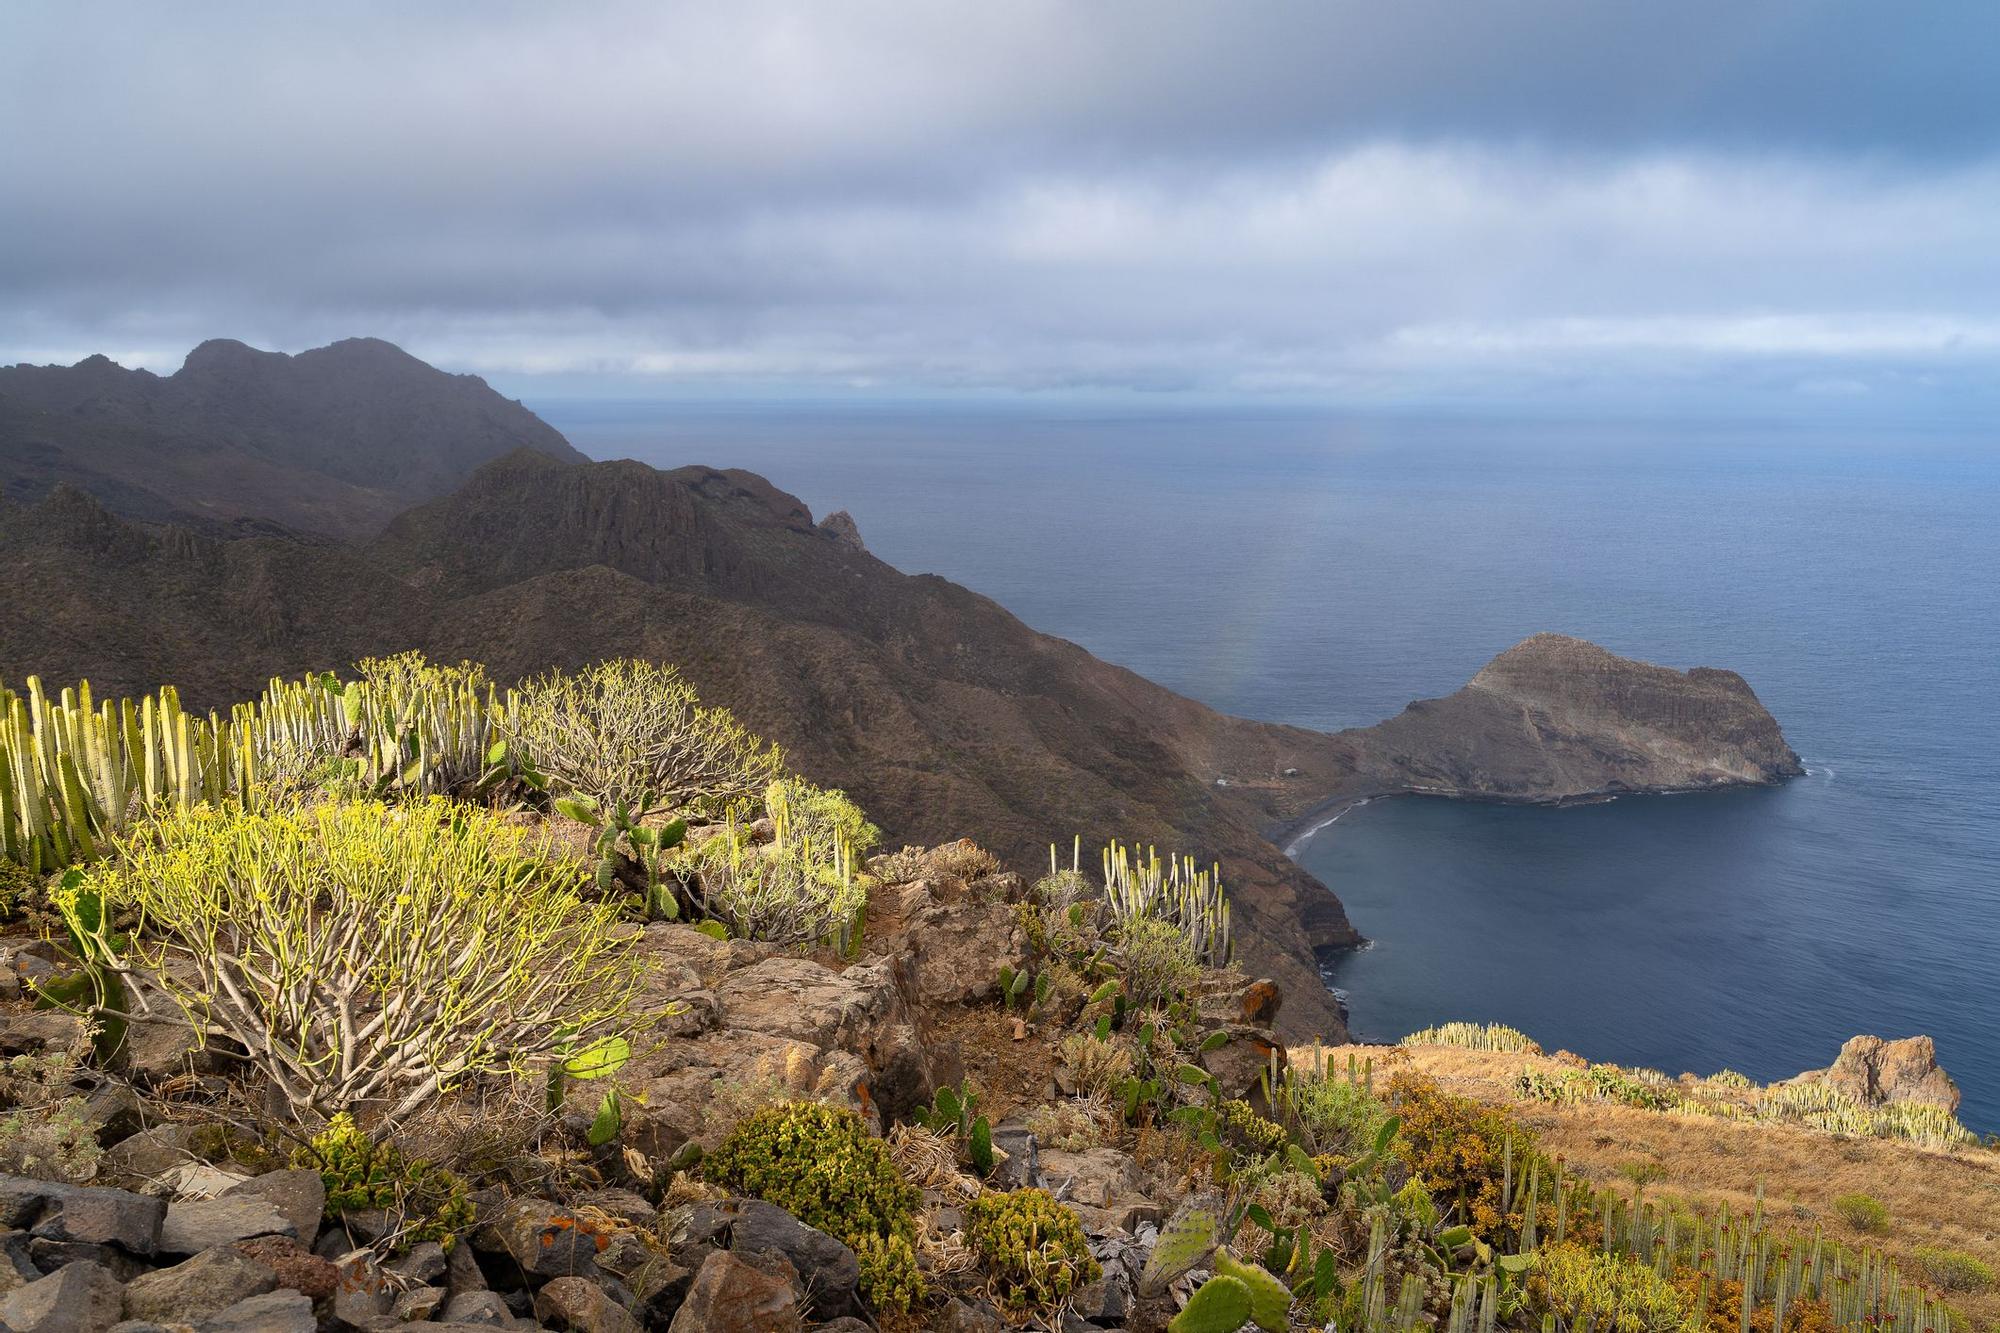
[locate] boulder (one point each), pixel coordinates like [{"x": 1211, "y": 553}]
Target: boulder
[
  {"x": 299, "y": 1194},
  {"x": 1239, "y": 1064},
  {"x": 425, "y": 1262},
  {"x": 422, "y": 1303},
  {"x": 955, "y": 952},
  {"x": 740, "y": 1293},
  {"x": 1875, "y": 1072},
  {"x": 961, "y": 1317},
  {"x": 49, "y": 1255},
  {"x": 275, "y": 1312},
  {"x": 478, "y": 1307},
  {"x": 581, "y": 1306},
  {"x": 1254, "y": 1002},
  {"x": 298, "y": 1268},
  {"x": 194, "y": 1225},
  {"x": 93, "y": 1215},
  {"x": 80, "y": 1298},
  {"x": 361, "y": 1294},
  {"x": 1093, "y": 1178},
  {"x": 34, "y": 1030},
  {"x": 830, "y": 1272},
  {"x": 544, "y": 1239},
  {"x": 207, "y": 1284},
  {"x": 138, "y": 1163},
  {"x": 858, "y": 1011},
  {"x": 1022, "y": 1166}
]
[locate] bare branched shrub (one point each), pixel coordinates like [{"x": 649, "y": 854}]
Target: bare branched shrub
[
  {"x": 361, "y": 956},
  {"x": 634, "y": 735}
]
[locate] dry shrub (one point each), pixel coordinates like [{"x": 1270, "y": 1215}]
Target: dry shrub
[{"x": 633, "y": 735}]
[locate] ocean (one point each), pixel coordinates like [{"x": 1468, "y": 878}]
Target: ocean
[{"x": 1324, "y": 571}]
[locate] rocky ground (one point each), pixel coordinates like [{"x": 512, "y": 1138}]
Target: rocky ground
[{"x": 184, "y": 1226}]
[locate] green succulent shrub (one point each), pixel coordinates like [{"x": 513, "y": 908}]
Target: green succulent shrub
[
  {"x": 359, "y": 955},
  {"x": 822, "y": 813},
  {"x": 1239, "y": 1124},
  {"x": 362, "y": 1175},
  {"x": 1466, "y": 1154},
  {"x": 634, "y": 735},
  {"x": 1157, "y": 959},
  {"x": 1955, "y": 1270},
  {"x": 1328, "y": 1111},
  {"x": 1476, "y": 1037},
  {"x": 800, "y": 888},
  {"x": 1863, "y": 1212},
  {"x": 1172, "y": 891},
  {"x": 820, "y": 1164},
  {"x": 1586, "y": 1288},
  {"x": 1033, "y": 1248}
]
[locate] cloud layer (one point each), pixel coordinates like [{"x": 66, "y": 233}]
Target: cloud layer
[{"x": 1342, "y": 201}]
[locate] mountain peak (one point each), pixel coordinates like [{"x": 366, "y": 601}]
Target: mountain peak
[{"x": 333, "y": 441}]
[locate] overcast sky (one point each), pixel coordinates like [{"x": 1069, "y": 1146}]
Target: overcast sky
[{"x": 1774, "y": 203}]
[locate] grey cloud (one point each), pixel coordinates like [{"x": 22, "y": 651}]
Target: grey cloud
[{"x": 1339, "y": 198}]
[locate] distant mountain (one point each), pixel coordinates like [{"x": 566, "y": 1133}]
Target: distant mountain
[{"x": 333, "y": 442}]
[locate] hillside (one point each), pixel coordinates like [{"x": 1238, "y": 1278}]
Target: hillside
[
  {"x": 333, "y": 441},
  {"x": 942, "y": 712}
]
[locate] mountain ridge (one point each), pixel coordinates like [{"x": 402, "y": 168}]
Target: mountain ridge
[{"x": 333, "y": 441}]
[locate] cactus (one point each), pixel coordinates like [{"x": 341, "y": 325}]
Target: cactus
[
  {"x": 1270, "y": 1299},
  {"x": 1173, "y": 891},
  {"x": 1220, "y": 1305}
]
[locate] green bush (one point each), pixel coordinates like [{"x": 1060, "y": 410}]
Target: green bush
[
  {"x": 1158, "y": 960},
  {"x": 1242, "y": 1127},
  {"x": 20, "y": 890},
  {"x": 820, "y": 1164},
  {"x": 1862, "y": 1212},
  {"x": 1587, "y": 1288},
  {"x": 1955, "y": 1270},
  {"x": 1327, "y": 1111},
  {"x": 1033, "y": 1248},
  {"x": 633, "y": 735},
  {"x": 360, "y": 954},
  {"x": 46, "y": 1134},
  {"x": 798, "y": 889},
  {"x": 363, "y": 1175},
  {"x": 821, "y": 813}
]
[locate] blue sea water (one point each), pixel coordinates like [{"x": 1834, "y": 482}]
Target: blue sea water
[{"x": 1324, "y": 572}]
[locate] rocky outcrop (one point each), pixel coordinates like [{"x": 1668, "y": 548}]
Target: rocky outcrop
[
  {"x": 1875, "y": 1072},
  {"x": 1557, "y": 718}
]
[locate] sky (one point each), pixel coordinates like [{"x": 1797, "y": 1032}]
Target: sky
[{"x": 1789, "y": 206}]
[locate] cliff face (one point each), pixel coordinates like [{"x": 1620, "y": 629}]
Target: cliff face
[{"x": 334, "y": 441}]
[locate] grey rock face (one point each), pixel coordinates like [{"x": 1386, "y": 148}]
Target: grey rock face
[
  {"x": 299, "y": 1194},
  {"x": 194, "y": 1225},
  {"x": 829, "y": 1270}
]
